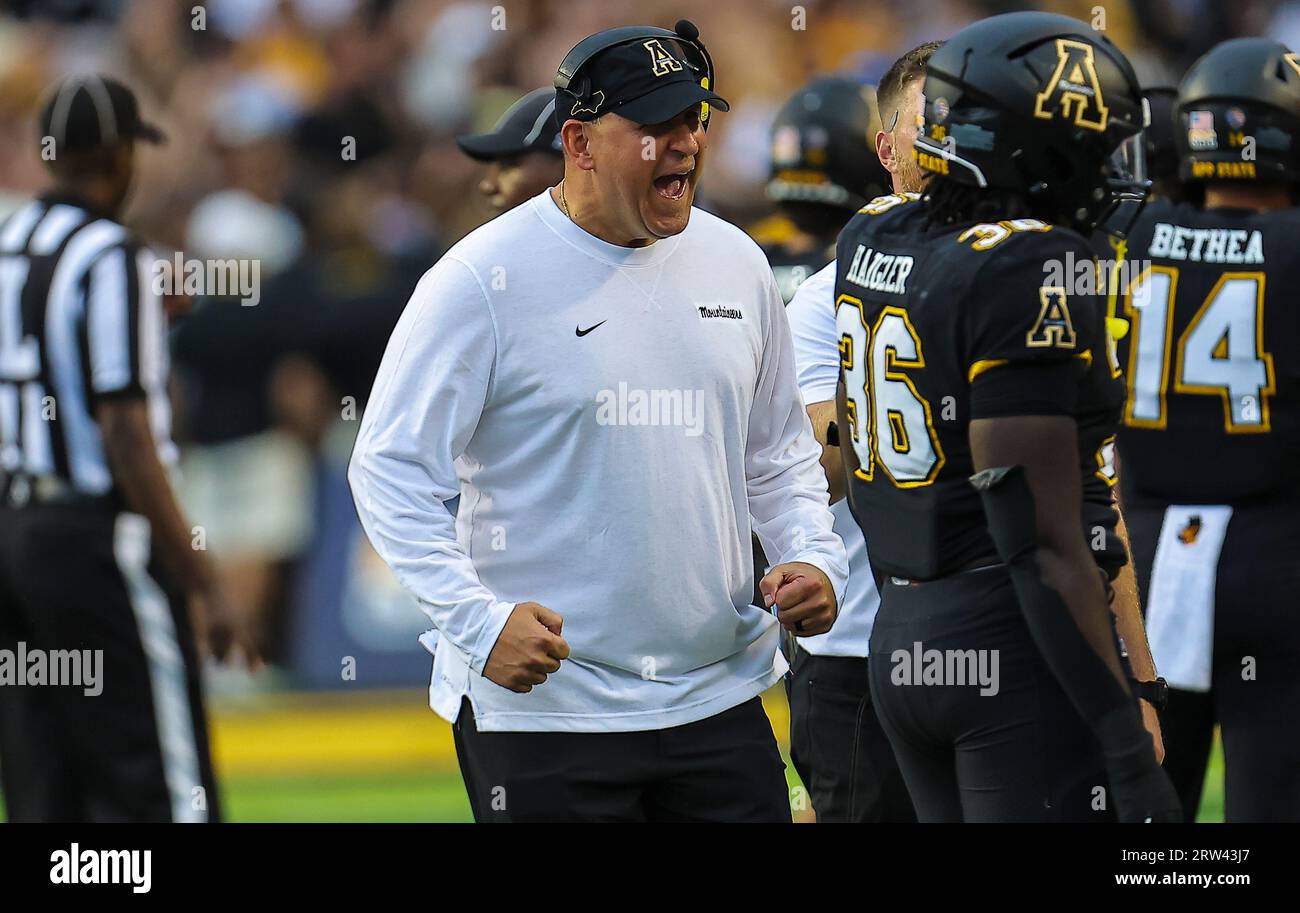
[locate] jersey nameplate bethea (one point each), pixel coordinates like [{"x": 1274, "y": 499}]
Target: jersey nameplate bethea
[{"x": 1207, "y": 245}]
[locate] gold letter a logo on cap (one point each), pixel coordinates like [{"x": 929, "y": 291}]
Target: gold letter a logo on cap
[{"x": 662, "y": 62}]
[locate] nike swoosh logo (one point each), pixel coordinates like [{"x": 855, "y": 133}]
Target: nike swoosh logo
[{"x": 581, "y": 332}]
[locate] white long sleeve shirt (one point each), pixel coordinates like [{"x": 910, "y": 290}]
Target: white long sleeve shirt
[
  {"x": 611, "y": 418},
  {"x": 817, "y": 364}
]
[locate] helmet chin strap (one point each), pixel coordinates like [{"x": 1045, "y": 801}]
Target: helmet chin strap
[{"x": 946, "y": 153}]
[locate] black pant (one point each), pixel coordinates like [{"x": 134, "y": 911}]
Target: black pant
[
  {"x": 1255, "y": 674},
  {"x": 82, "y": 577},
  {"x": 839, "y": 747},
  {"x": 724, "y": 768},
  {"x": 1020, "y": 754}
]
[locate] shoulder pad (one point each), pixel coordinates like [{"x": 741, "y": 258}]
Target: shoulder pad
[
  {"x": 883, "y": 204},
  {"x": 985, "y": 236}
]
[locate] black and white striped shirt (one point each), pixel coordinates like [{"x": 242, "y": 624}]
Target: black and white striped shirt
[{"x": 79, "y": 321}]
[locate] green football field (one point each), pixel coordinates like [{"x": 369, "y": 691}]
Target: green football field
[
  {"x": 441, "y": 797},
  {"x": 436, "y": 796},
  {"x": 387, "y": 758}
]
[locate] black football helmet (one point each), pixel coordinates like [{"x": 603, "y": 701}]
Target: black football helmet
[
  {"x": 1238, "y": 114},
  {"x": 1034, "y": 103},
  {"x": 824, "y": 147}
]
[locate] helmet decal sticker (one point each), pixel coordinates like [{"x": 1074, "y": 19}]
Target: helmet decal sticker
[{"x": 1074, "y": 90}]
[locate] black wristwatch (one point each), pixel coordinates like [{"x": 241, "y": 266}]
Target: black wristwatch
[{"x": 1154, "y": 693}]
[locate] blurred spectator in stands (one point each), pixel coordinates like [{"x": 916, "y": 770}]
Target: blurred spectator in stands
[{"x": 246, "y": 482}]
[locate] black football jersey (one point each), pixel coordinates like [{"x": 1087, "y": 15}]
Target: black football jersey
[
  {"x": 1211, "y": 356},
  {"x": 922, "y": 312}
]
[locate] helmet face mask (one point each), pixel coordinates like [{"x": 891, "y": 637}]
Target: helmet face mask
[
  {"x": 1128, "y": 187},
  {"x": 1033, "y": 104},
  {"x": 1237, "y": 116}
]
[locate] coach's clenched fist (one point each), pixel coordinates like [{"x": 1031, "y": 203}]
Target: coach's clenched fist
[
  {"x": 528, "y": 649},
  {"x": 803, "y": 595}
]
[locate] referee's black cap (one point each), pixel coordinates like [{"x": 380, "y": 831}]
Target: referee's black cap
[
  {"x": 92, "y": 112},
  {"x": 529, "y": 125}
]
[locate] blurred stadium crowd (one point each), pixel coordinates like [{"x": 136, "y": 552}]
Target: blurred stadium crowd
[{"x": 315, "y": 136}]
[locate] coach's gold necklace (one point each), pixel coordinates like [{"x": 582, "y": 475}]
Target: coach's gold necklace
[{"x": 564, "y": 204}]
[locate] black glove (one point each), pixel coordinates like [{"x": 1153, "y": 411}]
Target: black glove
[{"x": 1139, "y": 787}]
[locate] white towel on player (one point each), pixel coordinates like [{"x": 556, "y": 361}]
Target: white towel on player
[{"x": 1180, "y": 600}]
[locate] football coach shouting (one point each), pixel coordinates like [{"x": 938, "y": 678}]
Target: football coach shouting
[{"x": 604, "y": 375}]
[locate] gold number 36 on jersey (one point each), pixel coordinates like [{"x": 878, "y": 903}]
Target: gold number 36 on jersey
[{"x": 891, "y": 423}]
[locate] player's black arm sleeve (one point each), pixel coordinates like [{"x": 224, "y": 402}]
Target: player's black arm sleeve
[
  {"x": 844, "y": 431},
  {"x": 1032, "y": 510},
  {"x": 1038, "y": 520}
]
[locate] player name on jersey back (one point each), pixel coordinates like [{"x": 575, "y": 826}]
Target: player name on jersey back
[
  {"x": 878, "y": 271},
  {"x": 1206, "y": 245},
  {"x": 1211, "y": 358}
]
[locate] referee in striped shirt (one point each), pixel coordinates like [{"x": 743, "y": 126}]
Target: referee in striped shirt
[{"x": 95, "y": 554}]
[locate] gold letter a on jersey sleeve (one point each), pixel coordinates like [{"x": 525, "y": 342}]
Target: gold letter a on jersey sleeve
[
  {"x": 1073, "y": 90},
  {"x": 1053, "y": 328}
]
